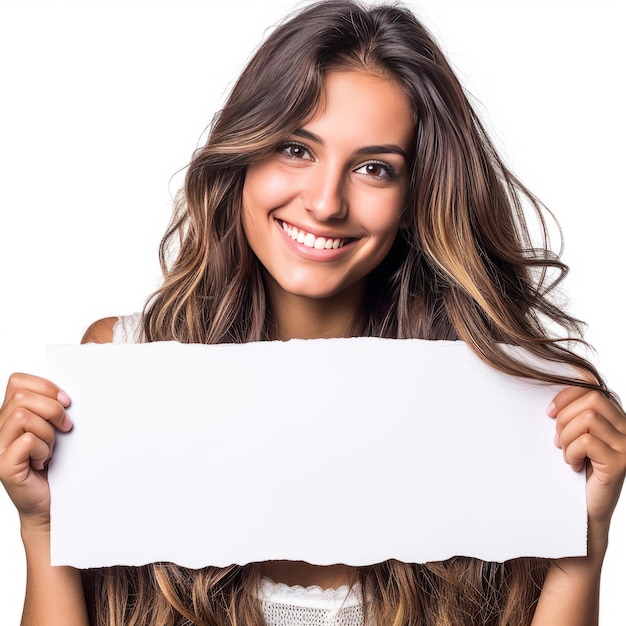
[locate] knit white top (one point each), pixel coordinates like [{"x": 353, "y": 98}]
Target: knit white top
[
  {"x": 310, "y": 606},
  {"x": 127, "y": 329}
]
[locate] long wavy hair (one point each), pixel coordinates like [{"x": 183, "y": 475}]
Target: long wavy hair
[{"x": 463, "y": 267}]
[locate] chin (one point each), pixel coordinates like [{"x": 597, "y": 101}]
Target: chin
[
  {"x": 311, "y": 292},
  {"x": 318, "y": 289}
]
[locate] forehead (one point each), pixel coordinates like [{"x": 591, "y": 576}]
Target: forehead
[{"x": 364, "y": 104}]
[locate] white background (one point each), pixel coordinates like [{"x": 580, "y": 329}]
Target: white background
[{"x": 102, "y": 103}]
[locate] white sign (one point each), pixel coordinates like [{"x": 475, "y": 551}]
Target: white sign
[{"x": 328, "y": 451}]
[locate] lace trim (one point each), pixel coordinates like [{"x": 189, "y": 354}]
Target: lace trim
[{"x": 313, "y": 596}]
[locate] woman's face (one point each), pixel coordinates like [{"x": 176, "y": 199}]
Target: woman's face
[{"x": 323, "y": 210}]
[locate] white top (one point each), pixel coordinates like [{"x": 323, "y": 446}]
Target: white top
[
  {"x": 283, "y": 605},
  {"x": 127, "y": 329}
]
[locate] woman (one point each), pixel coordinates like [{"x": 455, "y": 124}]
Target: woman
[{"x": 347, "y": 188}]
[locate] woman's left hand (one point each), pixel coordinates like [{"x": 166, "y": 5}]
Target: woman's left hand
[{"x": 591, "y": 431}]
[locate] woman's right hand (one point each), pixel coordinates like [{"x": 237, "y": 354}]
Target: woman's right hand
[{"x": 32, "y": 412}]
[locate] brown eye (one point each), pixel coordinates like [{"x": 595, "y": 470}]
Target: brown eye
[
  {"x": 295, "y": 150},
  {"x": 377, "y": 169}
]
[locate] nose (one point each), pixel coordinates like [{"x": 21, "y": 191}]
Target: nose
[{"x": 325, "y": 193}]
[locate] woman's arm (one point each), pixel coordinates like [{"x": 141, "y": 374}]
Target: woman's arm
[
  {"x": 591, "y": 431},
  {"x": 571, "y": 592},
  {"x": 54, "y": 595},
  {"x": 33, "y": 410},
  {"x": 32, "y": 413}
]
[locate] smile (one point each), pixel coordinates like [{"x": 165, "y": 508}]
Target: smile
[{"x": 312, "y": 241}]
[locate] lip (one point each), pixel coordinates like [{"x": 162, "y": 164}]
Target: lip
[{"x": 314, "y": 253}]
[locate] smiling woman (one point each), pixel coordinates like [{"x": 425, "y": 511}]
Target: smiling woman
[
  {"x": 320, "y": 216},
  {"x": 346, "y": 188}
]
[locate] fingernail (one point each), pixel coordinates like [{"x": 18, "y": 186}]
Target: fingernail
[
  {"x": 551, "y": 409},
  {"x": 557, "y": 440},
  {"x": 66, "y": 424},
  {"x": 63, "y": 398}
]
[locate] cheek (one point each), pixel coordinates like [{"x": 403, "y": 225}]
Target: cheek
[
  {"x": 382, "y": 215},
  {"x": 265, "y": 187}
]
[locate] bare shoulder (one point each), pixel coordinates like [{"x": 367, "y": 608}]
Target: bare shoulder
[{"x": 100, "y": 331}]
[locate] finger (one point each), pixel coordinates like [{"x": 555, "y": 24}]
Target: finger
[
  {"x": 595, "y": 401},
  {"x": 26, "y": 449},
  {"x": 563, "y": 398},
  {"x": 593, "y": 423},
  {"x": 45, "y": 407},
  {"x": 23, "y": 421},
  {"x": 602, "y": 456},
  {"x": 36, "y": 384}
]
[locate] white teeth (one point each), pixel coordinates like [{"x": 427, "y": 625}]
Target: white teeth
[{"x": 310, "y": 240}]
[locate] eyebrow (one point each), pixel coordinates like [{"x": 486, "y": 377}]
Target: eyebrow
[{"x": 376, "y": 149}]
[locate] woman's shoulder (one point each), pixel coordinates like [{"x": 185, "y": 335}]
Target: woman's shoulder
[
  {"x": 122, "y": 329},
  {"x": 101, "y": 331}
]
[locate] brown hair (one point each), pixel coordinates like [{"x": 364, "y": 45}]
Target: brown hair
[
  {"x": 460, "y": 591},
  {"x": 462, "y": 267}
]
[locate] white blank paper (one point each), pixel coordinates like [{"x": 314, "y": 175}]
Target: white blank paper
[{"x": 329, "y": 451}]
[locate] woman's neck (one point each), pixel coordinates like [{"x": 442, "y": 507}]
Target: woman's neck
[
  {"x": 306, "y": 575},
  {"x": 299, "y": 317}
]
